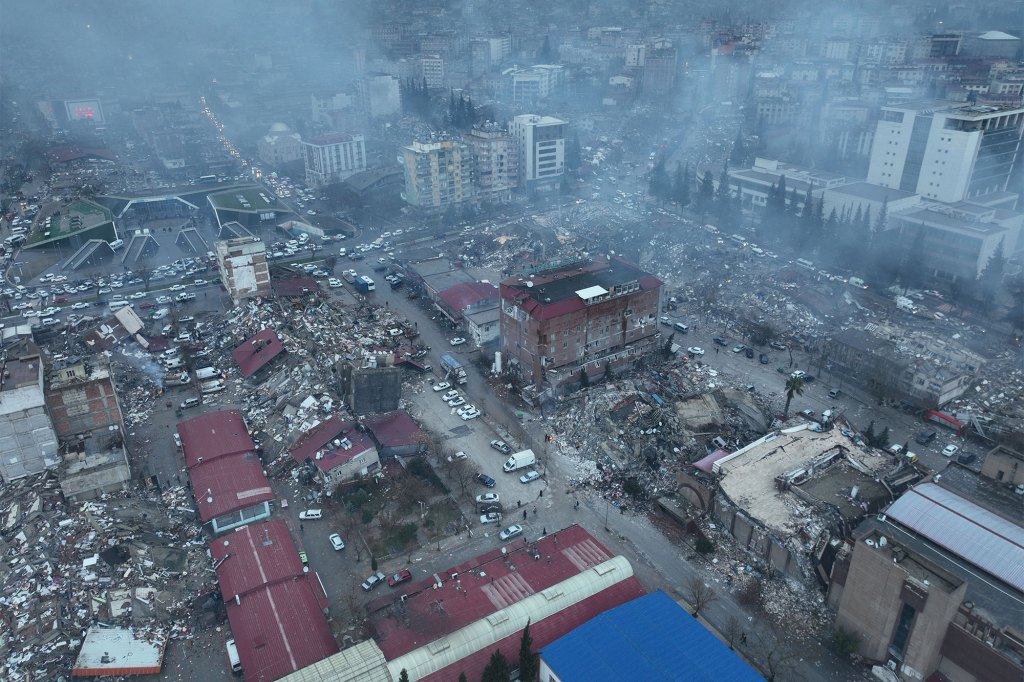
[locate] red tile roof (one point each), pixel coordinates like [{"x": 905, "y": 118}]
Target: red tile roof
[
  {"x": 320, "y": 437},
  {"x": 395, "y": 429},
  {"x": 281, "y": 628},
  {"x": 461, "y": 296},
  {"x": 253, "y": 556},
  {"x": 256, "y": 351},
  {"x": 478, "y": 597},
  {"x": 214, "y": 435},
  {"x": 228, "y": 484}
]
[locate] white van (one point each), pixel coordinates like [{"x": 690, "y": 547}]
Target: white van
[
  {"x": 174, "y": 363},
  {"x": 117, "y": 305},
  {"x": 116, "y": 244},
  {"x": 207, "y": 373},
  {"x": 233, "y": 659},
  {"x": 212, "y": 387}
]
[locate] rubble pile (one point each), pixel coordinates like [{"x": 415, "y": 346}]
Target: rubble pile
[{"x": 122, "y": 560}]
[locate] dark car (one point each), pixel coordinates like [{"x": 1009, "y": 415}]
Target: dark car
[
  {"x": 807, "y": 378},
  {"x": 749, "y": 352},
  {"x": 486, "y": 480},
  {"x": 777, "y": 346},
  {"x": 719, "y": 341},
  {"x": 966, "y": 459},
  {"x": 763, "y": 359}
]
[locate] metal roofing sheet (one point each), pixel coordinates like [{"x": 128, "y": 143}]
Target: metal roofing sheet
[
  {"x": 649, "y": 638},
  {"x": 214, "y": 435},
  {"x": 253, "y": 556},
  {"x": 983, "y": 538}
]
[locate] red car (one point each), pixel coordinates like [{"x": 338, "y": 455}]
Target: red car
[
  {"x": 398, "y": 578},
  {"x": 60, "y": 299}
]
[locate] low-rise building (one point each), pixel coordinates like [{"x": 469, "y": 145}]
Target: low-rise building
[
  {"x": 933, "y": 586},
  {"x": 1004, "y": 466},
  {"x": 338, "y": 451},
  {"x": 280, "y": 145},
  {"x": 332, "y": 157}
]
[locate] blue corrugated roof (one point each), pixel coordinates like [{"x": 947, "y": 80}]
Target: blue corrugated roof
[{"x": 649, "y": 638}]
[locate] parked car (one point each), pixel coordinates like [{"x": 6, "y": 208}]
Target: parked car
[
  {"x": 502, "y": 447},
  {"x": 738, "y": 348},
  {"x": 510, "y": 532},
  {"x": 457, "y": 341},
  {"x": 336, "y": 542},
  {"x": 403, "y": 576},
  {"x": 777, "y": 346},
  {"x": 441, "y": 386},
  {"x": 450, "y": 395},
  {"x": 950, "y": 450},
  {"x": 763, "y": 359},
  {"x": 695, "y": 350},
  {"x": 373, "y": 581},
  {"x": 457, "y": 401},
  {"x": 487, "y": 498},
  {"x": 531, "y": 475},
  {"x": 470, "y": 414},
  {"x": 486, "y": 480},
  {"x": 749, "y": 352},
  {"x": 493, "y": 517},
  {"x": 311, "y": 514}
]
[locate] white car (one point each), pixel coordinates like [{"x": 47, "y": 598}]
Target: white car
[
  {"x": 336, "y": 542},
  {"x": 450, "y": 395},
  {"x": 492, "y": 517},
  {"x": 137, "y": 295},
  {"x": 947, "y": 451},
  {"x": 531, "y": 475},
  {"x": 466, "y": 416},
  {"x": 456, "y": 401},
  {"x": 442, "y": 386},
  {"x": 488, "y": 498},
  {"x": 457, "y": 341},
  {"x": 695, "y": 350},
  {"x": 177, "y": 287},
  {"x": 163, "y": 299},
  {"x": 81, "y": 305},
  {"x": 334, "y": 282},
  {"x": 510, "y": 532}
]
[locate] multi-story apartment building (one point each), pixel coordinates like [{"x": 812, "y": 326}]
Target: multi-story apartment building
[
  {"x": 28, "y": 443},
  {"x": 377, "y": 95},
  {"x": 333, "y": 157},
  {"x": 437, "y": 174},
  {"x": 948, "y": 151},
  {"x": 527, "y": 88},
  {"x": 580, "y": 316},
  {"x": 541, "y": 143},
  {"x": 243, "y": 268},
  {"x": 496, "y": 162},
  {"x": 432, "y": 68},
  {"x": 660, "y": 64}
]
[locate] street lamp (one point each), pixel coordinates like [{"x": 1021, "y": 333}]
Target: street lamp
[{"x": 607, "y": 506}]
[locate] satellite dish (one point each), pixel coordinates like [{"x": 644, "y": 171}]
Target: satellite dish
[{"x": 529, "y": 285}]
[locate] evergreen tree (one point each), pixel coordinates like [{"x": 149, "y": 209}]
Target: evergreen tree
[
  {"x": 660, "y": 185},
  {"x": 683, "y": 192},
  {"x": 527, "y": 659},
  {"x": 832, "y": 224},
  {"x": 883, "y": 438},
  {"x": 869, "y": 433},
  {"x": 882, "y": 221},
  {"x": 497, "y": 669},
  {"x": 706, "y": 195},
  {"x": 723, "y": 205},
  {"x": 403, "y": 676},
  {"x": 992, "y": 274},
  {"x": 738, "y": 155},
  {"x": 573, "y": 153}
]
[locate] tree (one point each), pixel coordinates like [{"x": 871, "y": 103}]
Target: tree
[
  {"x": 794, "y": 386},
  {"x": 666, "y": 350},
  {"x": 992, "y": 274},
  {"x": 733, "y": 631},
  {"x": 497, "y": 669},
  {"x": 681, "y": 186},
  {"x": 527, "y": 659},
  {"x": 462, "y": 677},
  {"x": 573, "y": 153},
  {"x": 403, "y": 676},
  {"x": 883, "y": 438},
  {"x": 659, "y": 184},
  {"x": 845, "y": 642},
  {"x": 699, "y": 594},
  {"x": 738, "y": 155},
  {"x": 775, "y": 656},
  {"x": 869, "y": 433},
  {"x": 706, "y": 193}
]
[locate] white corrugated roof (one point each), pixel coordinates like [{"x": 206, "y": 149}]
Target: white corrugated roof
[
  {"x": 363, "y": 662},
  {"x": 485, "y": 632},
  {"x": 996, "y": 35},
  {"x": 985, "y": 539}
]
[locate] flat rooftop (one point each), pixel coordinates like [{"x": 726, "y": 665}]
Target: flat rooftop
[
  {"x": 119, "y": 651},
  {"x": 245, "y": 200},
  {"x": 865, "y": 190},
  {"x": 75, "y": 218},
  {"x": 799, "y": 456}
]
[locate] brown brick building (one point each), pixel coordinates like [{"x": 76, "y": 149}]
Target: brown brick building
[{"x": 581, "y": 316}]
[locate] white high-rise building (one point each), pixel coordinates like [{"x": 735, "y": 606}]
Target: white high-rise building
[
  {"x": 541, "y": 143},
  {"x": 948, "y": 151},
  {"x": 333, "y": 157}
]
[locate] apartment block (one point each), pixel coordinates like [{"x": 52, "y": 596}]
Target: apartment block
[{"x": 437, "y": 174}]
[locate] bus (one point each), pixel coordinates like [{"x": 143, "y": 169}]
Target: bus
[{"x": 207, "y": 179}]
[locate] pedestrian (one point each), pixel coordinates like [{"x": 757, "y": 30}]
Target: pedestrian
[
  {"x": 577, "y": 505},
  {"x": 545, "y": 531},
  {"x": 534, "y": 511},
  {"x": 524, "y": 515},
  {"x": 519, "y": 503},
  {"x": 743, "y": 638},
  {"x": 302, "y": 528},
  {"x": 541, "y": 494}
]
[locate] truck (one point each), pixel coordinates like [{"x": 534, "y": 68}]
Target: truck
[
  {"x": 455, "y": 371},
  {"x": 520, "y": 460},
  {"x": 365, "y": 284}
]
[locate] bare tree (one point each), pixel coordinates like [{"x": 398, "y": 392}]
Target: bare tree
[
  {"x": 776, "y": 657},
  {"x": 349, "y": 529},
  {"x": 699, "y": 594},
  {"x": 462, "y": 475},
  {"x": 732, "y": 631}
]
